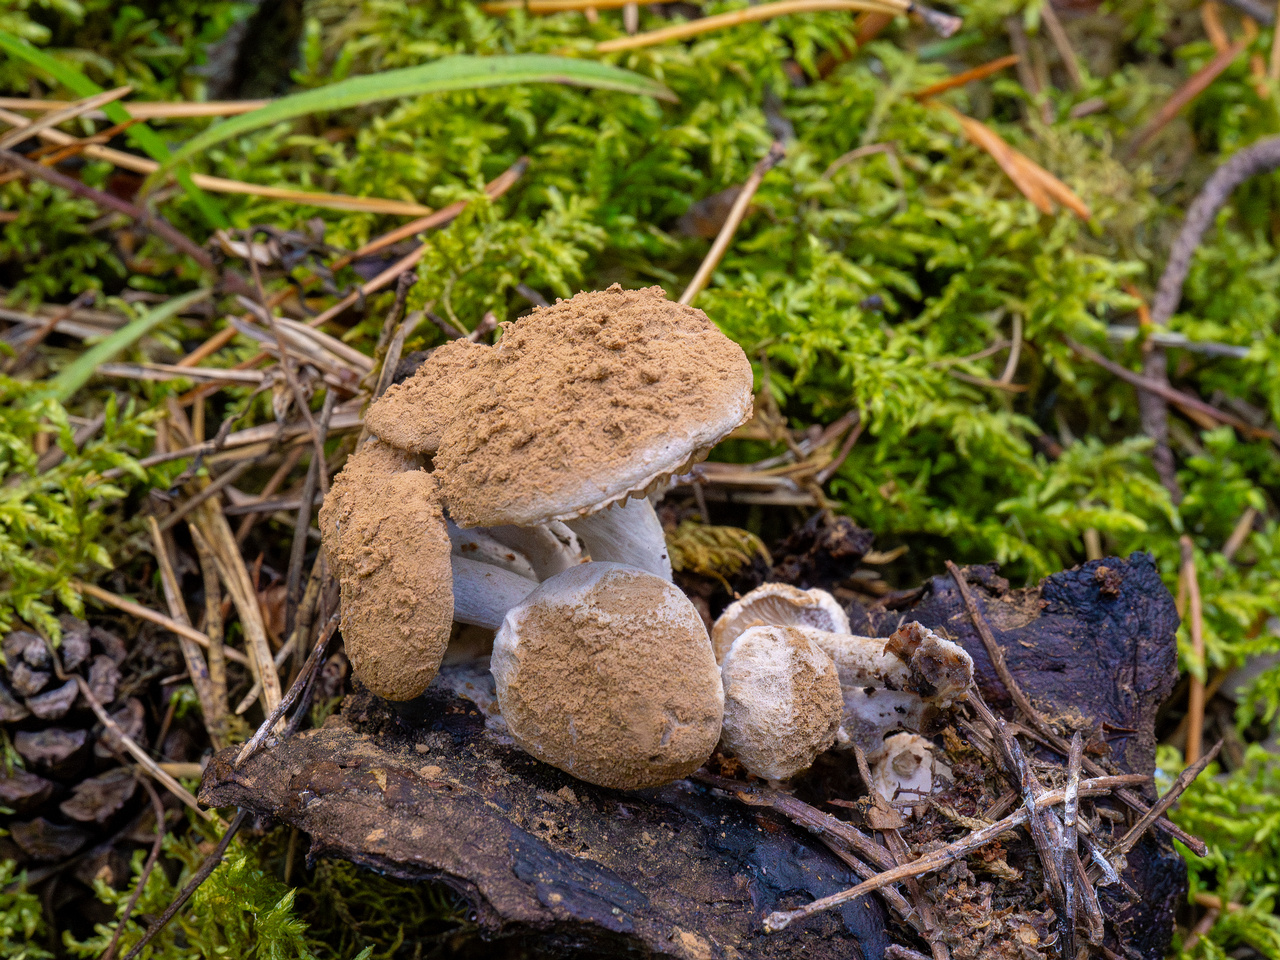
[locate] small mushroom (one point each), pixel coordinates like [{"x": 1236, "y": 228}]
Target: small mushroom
[
  {"x": 606, "y": 672},
  {"x": 782, "y": 702},
  {"x": 780, "y": 605},
  {"x": 385, "y": 535},
  {"x": 894, "y": 683},
  {"x": 576, "y": 413},
  {"x": 906, "y": 769}
]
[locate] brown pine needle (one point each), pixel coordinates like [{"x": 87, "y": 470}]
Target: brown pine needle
[
  {"x": 159, "y": 619},
  {"x": 968, "y": 76},
  {"x": 736, "y": 213},
  {"x": 1004, "y": 155},
  {"x": 1195, "y": 626},
  {"x": 1195, "y": 86},
  {"x": 763, "y": 11},
  {"x": 147, "y": 110}
]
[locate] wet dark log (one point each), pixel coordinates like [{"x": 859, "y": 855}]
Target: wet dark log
[{"x": 435, "y": 790}]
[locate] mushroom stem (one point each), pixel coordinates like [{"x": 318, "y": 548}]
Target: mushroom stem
[
  {"x": 627, "y": 531},
  {"x": 482, "y": 593},
  {"x": 550, "y": 548}
]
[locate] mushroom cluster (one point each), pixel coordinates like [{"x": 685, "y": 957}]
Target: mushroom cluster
[
  {"x": 797, "y": 683},
  {"x": 507, "y": 487}
]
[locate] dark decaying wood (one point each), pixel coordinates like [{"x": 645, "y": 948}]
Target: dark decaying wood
[{"x": 434, "y": 789}]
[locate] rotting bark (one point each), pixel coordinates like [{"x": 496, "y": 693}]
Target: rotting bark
[{"x": 433, "y": 789}]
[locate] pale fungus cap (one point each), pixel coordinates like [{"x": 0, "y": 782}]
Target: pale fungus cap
[
  {"x": 782, "y": 702},
  {"x": 906, "y": 768},
  {"x": 781, "y": 605},
  {"x": 606, "y": 672},
  {"x": 385, "y": 537},
  {"x": 894, "y": 683}
]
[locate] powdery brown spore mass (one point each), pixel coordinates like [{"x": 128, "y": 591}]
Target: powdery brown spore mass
[
  {"x": 587, "y": 400},
  {"x": 608, "y": 675},
  {"x": 385, "y": 537}
]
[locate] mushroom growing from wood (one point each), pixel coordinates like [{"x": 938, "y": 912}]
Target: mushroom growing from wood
[
  {"x": 606, "y": 672},
  {"x": 781, "y": 605},
  {"x": 782, "y": 702},
  {"x": 579, "y": 411}
]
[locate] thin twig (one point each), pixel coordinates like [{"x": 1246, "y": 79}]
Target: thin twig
[
  {"x": 16, "y": 363},
  {"x": 1058, "y": 34},
  {"x": 206, "y": 868},
  {"x": 304, "y": 677},
  {"x": 143, "y": 758},
  {"x": 1126, "y": 843},
  {"x": 1070, "y": 812},
  {"x": 146, "y": 613},
  {"x": 315, "y": 478},
  {"x": 736, "y": 213},
  {"x": 153, "y": 222},
  {"x": 1195, "y": 626},
  {"x": 211, "y": 489},
  {"x": 158, "y": 807},
  {"x": 1177, "y": 397}
]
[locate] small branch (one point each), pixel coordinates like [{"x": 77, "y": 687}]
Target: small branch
[
  {"x": 1174, "y": 396},
  {"x": 16, "y": 363},
  {"x": 143, "y": 877},
  {"x": 201, "y": 875},
  {"x": 736, "y": 212},
  {"x": 304, "y": 678},
  {"x": 210, "y": 490},
  {"x": 1184, "y": 780},
  {"x": 156, "y": 224}
]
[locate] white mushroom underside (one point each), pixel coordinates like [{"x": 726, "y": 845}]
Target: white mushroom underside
[{"x": 627, "y": 532}]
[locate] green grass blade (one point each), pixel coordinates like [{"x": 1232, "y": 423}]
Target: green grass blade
[
  {"x": 450, "y": 73},
  {"x": 140, "y": 134},
  {"x": 66, "y": 383}
]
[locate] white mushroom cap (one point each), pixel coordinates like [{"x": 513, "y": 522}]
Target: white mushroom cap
[
  {"x": 906, "y": 768},
  {"x": 606, "y": 672},
  {"x": 782, "y": 703},
  {"x": 777, "y": 604}
]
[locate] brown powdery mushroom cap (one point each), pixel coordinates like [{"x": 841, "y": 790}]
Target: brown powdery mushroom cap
[
  {"x": 779, "y": 605},
  {"x": 599, "y": 397},
  {"x": 606, "y": 672},
  {"x": 412, "y": 415},
  {"x": 384, "y": 534},
  {"x": 782, "y": 703}
]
